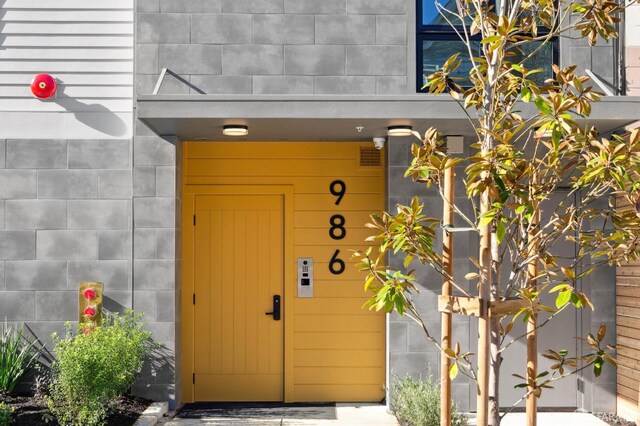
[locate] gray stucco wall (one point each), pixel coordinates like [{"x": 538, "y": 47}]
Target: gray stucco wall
[{"x": 274, "y": 46}]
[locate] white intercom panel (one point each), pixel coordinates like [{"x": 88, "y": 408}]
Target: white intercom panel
[{"x": 305, "y": 277}]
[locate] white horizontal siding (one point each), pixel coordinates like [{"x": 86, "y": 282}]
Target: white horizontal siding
[
  {"x": 123, "y": 54},
  {"x": 41, "y": 15},
  {"x": 72, "y": 79},
  {"x": 87, "y": 45},
  {"x": 77, "y": 92},
  {"x": 68, "y": 4},
  {"x": 36, "y": 41},
  {"x": 66, "y": 66},
  {"x": 63, "y": 103},
  {"x": 34, "y": 27}
]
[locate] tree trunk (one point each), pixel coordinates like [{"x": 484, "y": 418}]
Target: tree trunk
[{"x": 494, "y": 373}]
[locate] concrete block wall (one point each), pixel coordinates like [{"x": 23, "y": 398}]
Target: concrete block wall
[
  {"x": 632, "y": 54},
  {"x": 275, "y": 46},
  {"x": 410, "y": 352},
  {"x": 65, "y": 217},
  {"x": 156, "y": 260}
]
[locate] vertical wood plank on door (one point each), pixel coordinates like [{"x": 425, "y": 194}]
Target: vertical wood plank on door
[
  {"x": 202, "y": 271},
  {"x": 251, "y": 279},
  {"x": 239, "y": 292},
  {"x": 264, "y": 260},
  {"x": 275, "y": 284},
  {"x": 218, "y": 295},
  {"x": 228, "y": 242}
]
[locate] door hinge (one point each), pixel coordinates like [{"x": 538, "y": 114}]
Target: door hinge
[
  {"x": 194, "y": 298},
  {"x": 194, "y": 220},
  {"x": 194, "y": 378}
]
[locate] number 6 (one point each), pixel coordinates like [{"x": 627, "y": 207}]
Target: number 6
[{"x": 336, "y": 261}]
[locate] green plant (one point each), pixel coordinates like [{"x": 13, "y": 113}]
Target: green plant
[
  {"x": 5, "y": 414},
  {"x": 17, "y": 356},
  {"x": 96, "y": 366},
  {"x": 417, "y": 402}
]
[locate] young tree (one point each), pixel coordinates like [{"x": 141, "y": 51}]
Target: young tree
[{"x": 517, "y": 163}]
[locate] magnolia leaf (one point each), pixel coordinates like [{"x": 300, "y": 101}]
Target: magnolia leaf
[
  {"x": 601, "y": 332},
  {"x": 500, "y": 231},
  {"x": 491, "y": 39},
  {"x": 563, "y": 298},
  {"x": 453, "y": 371},
  {"x": 597, "y": 366},
  {"x": 543, "y": 106},
  {"x": 472, "y": 276}
]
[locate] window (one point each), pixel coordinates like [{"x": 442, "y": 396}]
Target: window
[{"x": 436, "y": 41}]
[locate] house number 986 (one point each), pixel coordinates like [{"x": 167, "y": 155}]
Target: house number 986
[{"x": 337, "y": 231}]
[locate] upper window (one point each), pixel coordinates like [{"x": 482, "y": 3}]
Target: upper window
[{"x": 436, "y": 41}]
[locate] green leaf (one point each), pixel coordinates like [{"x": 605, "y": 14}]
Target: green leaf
[
  {"x": 543, "y": 106},
  {"x": 597, "y": 366},
  {"x": 500, "y": 231},
  {"x": 563, "y": 298},
  {"x": 491, "y": 39},
  {"x": 558, "y": 287}
]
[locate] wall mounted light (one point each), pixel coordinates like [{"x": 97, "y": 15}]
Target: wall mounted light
[
  {"x": 399, "y": 131},
  {"x": 235, "y": 130}
]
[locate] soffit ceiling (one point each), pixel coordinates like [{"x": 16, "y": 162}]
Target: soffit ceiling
[{"x": 337, "y": 118}]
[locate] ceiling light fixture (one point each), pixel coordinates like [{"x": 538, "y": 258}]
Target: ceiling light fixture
[
  {"x": 399, "y": 131},
  {"x": 235, "y": 130}
]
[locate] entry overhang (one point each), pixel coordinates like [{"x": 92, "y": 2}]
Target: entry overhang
[{"x": 334, "y": 118}]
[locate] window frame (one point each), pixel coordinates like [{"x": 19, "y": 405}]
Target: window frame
[{"x": 446, "y": 32}]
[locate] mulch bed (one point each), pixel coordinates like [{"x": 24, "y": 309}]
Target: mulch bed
[
  {"x": 32, "y": 411},
  {"x": 613, "y": 420}
]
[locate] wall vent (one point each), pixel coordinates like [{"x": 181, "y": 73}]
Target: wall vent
[{"x": 369, "y": 156}]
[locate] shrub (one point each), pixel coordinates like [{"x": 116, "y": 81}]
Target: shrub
[
  {"x": 95, "y": 367},
  {"x": 417, "y": 402},
  {"x": 17, "y": 356},
  {"x": 5, "y": 414}
]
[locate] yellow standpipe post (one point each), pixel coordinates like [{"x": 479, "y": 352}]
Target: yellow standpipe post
[
  {"x": 90, "y": 302},
  {"x": 447, "y": 266},
  {"x": 532, "y": 333},
  {"x": 482, "y": 394}
]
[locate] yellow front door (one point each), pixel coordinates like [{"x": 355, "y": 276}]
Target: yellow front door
[{"x": 239, "y": 244}]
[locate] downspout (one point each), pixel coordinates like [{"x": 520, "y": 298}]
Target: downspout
[{"x": 620, "y": 46}]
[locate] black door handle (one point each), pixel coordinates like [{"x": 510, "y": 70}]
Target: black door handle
[{"x": 276, "y": 308}]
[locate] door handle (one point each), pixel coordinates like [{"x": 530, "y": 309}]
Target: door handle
[{"x": 276, "y": 308}]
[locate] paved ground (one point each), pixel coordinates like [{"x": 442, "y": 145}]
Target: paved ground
[
  {"x": 339, "y": 415},
  {"x": 551, "y": 419}
]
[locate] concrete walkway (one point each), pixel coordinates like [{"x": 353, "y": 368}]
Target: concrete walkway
[
  {"x": 342, "y": 415},
  {"x": 550, "y": 419}
]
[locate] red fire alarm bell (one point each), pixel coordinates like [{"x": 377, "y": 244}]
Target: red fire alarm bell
[{"x": 43, "y": 86}]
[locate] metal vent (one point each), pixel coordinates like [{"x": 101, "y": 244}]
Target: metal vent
[{"x": 369, "y": 156}]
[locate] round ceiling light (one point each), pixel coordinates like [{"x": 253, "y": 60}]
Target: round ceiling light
[
  {"x": 399, "y": 131},
  {"x": 235, "y": 130}
]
